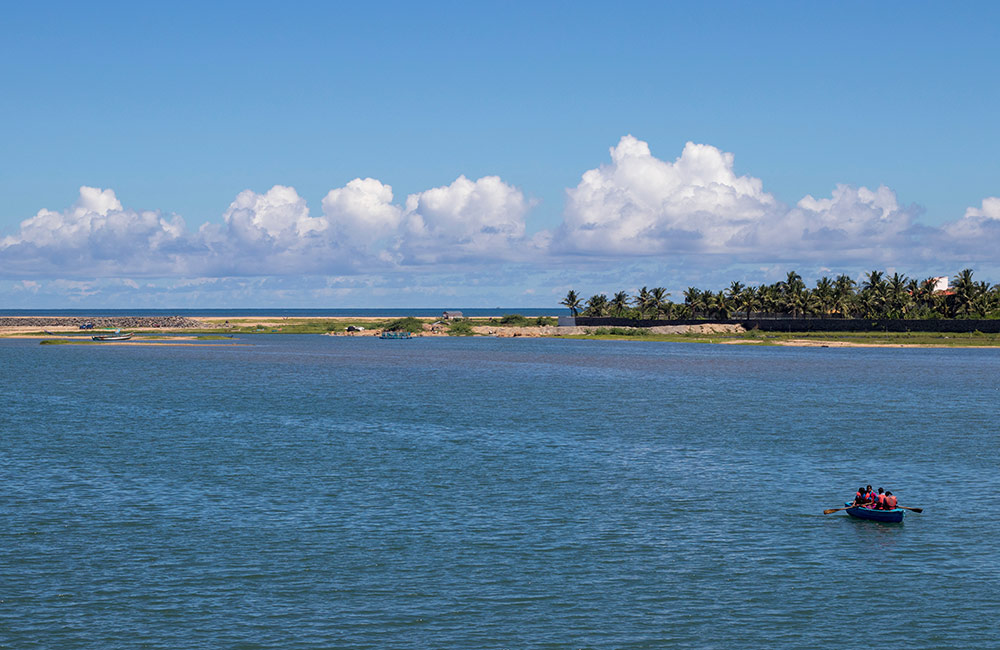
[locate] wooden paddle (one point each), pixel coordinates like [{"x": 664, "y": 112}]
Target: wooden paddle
[
  {"x": 913, "y": 509},
  {"x": 829, "y": 511}
]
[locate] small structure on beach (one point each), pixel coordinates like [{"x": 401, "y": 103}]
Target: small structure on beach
[{"x": 452, "y": 315}]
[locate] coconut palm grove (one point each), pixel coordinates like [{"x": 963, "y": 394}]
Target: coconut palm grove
[{"x": 878, "y": 296}]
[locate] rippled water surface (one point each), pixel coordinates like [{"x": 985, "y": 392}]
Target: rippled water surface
[{"x": 317, "y": 492}]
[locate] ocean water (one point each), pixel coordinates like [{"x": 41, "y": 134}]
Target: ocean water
[{"x": 336, "y": 492}]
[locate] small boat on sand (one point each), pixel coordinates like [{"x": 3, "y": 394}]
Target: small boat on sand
[
  {"x": 890, "y": 516},
  {"x": 116, "y": 336}
]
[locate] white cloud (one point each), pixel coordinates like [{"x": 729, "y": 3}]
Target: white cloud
[
  {"x": 362, "y": 212},
  {"x": 278, "y": 218},
  {"x": 465, "y": 220},
  {"x": 640, "y": 205},
  {"x": 977, "y": 234},
  {"x": 687, "y": 218},
  {"x": 989, "y": 210},
  {"x": 96, "y": 236},
  {"x": 855, "y": 223}
]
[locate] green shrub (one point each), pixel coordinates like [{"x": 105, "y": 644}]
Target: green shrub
[
  {"x": 460, "y": 328},
  {"x": 514, "y": 319},
  {"x": 545, "y": 321},
  {"x": 408, "y": 324}
]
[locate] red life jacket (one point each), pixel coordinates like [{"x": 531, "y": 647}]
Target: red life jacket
[
  {"x": 870, "y": 497},
  {"x": 890, "y": 501},
  {"x": 859, "y": 497},
  {"x": 880, "y": 498}
]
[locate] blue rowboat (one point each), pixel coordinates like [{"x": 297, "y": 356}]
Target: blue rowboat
[{"x": 893, "y": 516}]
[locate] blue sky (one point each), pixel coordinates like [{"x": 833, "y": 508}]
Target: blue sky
[{"x": 181, "y": 109}]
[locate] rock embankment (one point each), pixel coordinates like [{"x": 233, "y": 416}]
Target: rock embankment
[{"x": 101, "y": 322}]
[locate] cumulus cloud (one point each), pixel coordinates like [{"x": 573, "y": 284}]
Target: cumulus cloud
[
  {"x": 97, "y": 236},
  {"x": 989, "y": 210},
  {"x": 274, "y": 233},
  {"x": 362, "y": 212},
  {"x": 695, "y": 211},
  {"x": 855, "y": 223},
  {"x": 467, "y": 219},
  {"x": 641, "y": 205},
  {"x": 278, "y": 218},
  {"x": 977, "y": 233}
]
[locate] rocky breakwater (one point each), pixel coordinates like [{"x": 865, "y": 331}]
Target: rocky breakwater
[{"x": 100, "y": 322}]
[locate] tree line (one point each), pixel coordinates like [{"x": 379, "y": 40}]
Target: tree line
[{"x": 878, "y": 296}]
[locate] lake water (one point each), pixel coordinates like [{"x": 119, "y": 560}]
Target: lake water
[{"x": 335, "y": 492}]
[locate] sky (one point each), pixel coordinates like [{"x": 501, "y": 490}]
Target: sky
[{"x": 456, "y": 154}]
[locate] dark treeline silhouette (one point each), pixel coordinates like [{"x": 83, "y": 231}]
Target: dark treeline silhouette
[{"x": 877, "y": 297}]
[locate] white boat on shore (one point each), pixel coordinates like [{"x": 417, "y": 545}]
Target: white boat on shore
[{"x": 114, "y": 336}]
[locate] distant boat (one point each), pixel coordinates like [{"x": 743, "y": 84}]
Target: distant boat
[
  {"x": 395, "y": 335},
  {"x": 116, "y": 336}
]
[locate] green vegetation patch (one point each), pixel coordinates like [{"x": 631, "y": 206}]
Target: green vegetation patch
[
  {"x": 460, "y": 328},
  {"x": 408, "y": 324},
  {"x": 515, "y": 320}
]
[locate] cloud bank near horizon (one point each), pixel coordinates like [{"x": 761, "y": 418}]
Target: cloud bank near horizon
[{"x": 636, "y": 207}]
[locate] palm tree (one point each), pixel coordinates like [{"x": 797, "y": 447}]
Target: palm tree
[
  {"x": 823, "y": 295},
  {"x": 705, "y": 303},
  {"x": 873, "y": 295},
  {"x": 597, "y": 306},
  {"x": 982, "y": 303},
  {"x": 718, "y": 304},
  {"x": 572, "y": 301},
  {"x": 843, "y": 295},
  {"x": 735, "y": 288},
  {"x": 692, "y": 297},
  {"x": 659, "y": 302},
  {"x": 767, "y": 298},
  {"x": 643, "y": 302},
  {"x": 897, "y": 296},
  {"x": 683, "y": 311},
  {"x": 746, "y": 300},
  {"x": 925, "y": 295},
  {"x": 965, "y": 292},
  {"x": 619, "y": 304},
  {"x": 792, "y": 293}
]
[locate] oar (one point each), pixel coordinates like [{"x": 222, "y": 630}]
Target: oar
[
  {"x": 830, "y": 511},
  {"x": 913, "y": 509}
]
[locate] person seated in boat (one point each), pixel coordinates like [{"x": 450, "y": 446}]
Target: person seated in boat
[
  {"x": 869, "y": 496},
  {"x": 860, "y": 497},
  {"x": 880, "y": 499},
  {"x": 890, "y": 501}
]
